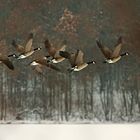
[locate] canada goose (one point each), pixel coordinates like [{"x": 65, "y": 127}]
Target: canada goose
[
  {"x": 7, "y": 62},
  {"x": 76, "y": 60},
  {"x": 112, "y": 56},
  {"x": 24, "y": 51},
  {"x": 54, "y": 52},
  {"x": 40, "y": 63}
]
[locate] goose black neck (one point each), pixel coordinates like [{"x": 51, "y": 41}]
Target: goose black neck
[
  {"x": 35, "y": 49},
  {"x": 13, "y": 55}
]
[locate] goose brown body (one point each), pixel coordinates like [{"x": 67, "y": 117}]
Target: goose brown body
[
  {"x": 54, "y": 52},
  {"x": 26, "y": 51},
  {"x": 40, "y": 63},
  {"x": 112, "y": 56},
  {"x": 76, "y": 60}
]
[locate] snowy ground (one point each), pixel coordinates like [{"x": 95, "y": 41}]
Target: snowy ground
[{"x": 67, "y": 122}]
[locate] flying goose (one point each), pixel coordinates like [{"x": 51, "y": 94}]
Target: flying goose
[
  {"x": 76, "y": 60},
  {"x": 42, "y": 62},
  {"x": 5, "y": 60},
  {"x": 112, "y": 56},
  {"x": 54, "y": 52},
  {"x": 24, "y": 51}
]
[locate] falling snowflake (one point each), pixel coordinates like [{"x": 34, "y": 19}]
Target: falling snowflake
[{"x": 68, "y": 23}]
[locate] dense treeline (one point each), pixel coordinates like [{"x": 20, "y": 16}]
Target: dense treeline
[{"x": 79, "y": 96}]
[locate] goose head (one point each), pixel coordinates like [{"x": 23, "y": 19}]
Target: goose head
[
  {"x": 126, "y": 53},
  {"x": 37, "y": 49},
  {"x": 13, "y": 55},
  {"x": 91, "y": 62}
]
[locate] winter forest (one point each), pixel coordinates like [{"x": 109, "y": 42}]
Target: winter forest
[{"x": 101, "y": 93}]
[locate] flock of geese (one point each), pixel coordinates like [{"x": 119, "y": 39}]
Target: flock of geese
[{"x": 57, "y": 55}]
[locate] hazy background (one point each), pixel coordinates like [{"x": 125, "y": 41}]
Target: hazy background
[{"x": 96, "y": 94}]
